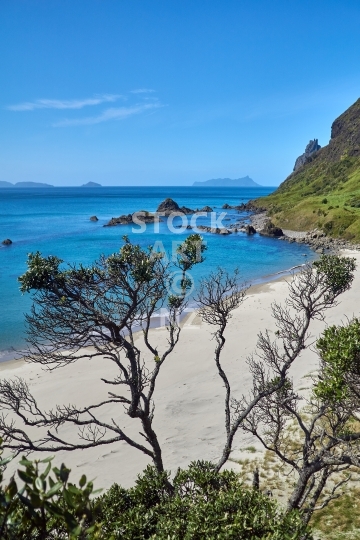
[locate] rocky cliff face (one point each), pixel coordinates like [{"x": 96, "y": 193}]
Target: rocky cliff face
[
  {"x": 312, "y": 147},
  {"x": 324, "y": 192}
]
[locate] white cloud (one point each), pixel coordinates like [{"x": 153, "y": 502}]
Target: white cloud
[
  {"x": 119, "y": 113},
  {"x": 142, "y": 91},
  {"x": 64, "y": 104}
]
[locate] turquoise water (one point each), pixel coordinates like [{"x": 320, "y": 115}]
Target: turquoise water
[{"x": 56, "y": 222}]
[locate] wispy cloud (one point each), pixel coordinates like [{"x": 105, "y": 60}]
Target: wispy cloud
[
  {"x": 119, "y": 113},
  {"x": 64, "y": 104},
  {"x": 142, "y": 91}
]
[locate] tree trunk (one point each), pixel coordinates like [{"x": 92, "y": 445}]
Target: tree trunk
[{"x": 297, "y": 494}]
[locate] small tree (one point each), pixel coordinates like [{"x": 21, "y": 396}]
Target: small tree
[
  {"x": 99, "y": 306},
  {"x": 311, "y": 292},
  {"x": 88, "y": 312},
  {"x": 326, "y": 440}
]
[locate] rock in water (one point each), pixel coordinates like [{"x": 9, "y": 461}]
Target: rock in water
[
  {"x": 271, "y": 230},
  {"x": 249, "y": 229},
  {"x": 206, "y": 209},
  {"x": 312, "y": 147},
  {"x": 94, "y": 218},
  {"x": 213, "y": 230},
  {"x": 142, "y": 216},
  {"x": 7, "y": 242},
  {"x": 168, "y": 206}
]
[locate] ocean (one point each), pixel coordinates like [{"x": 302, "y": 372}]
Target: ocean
[{"x": 55, "y": 221}]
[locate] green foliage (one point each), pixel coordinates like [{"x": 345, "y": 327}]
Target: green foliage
[
  {"x": 354, "y": 202},
  {"x": 338, "y": 272},
  {"x": 324, "y": 201},
  {"x": 138, "y": 263},
  {"x": 47, "y": 506},
  {"x": 339, "y": 349},
  {"x": 41, "y": 272},
  {"x": 205, "y": 504},
  {"x": 190, "y": 252}
]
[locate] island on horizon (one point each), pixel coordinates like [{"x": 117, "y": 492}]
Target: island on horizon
[
  {"x": 4, "y": 184},
  {"x": 91, "y": 184},
  {"x": 246, "y": 181}
]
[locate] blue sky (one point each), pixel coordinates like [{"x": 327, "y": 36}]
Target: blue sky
[{"x": 153, "y": 92}]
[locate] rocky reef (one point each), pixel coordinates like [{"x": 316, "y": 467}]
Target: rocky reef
[
  {"x": 137, "y": 217},
  {"x": 168, "y": 206},
  {"x": 213, "y": 230}
]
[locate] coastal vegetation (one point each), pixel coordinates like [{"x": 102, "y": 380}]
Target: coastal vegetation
[
  {"x": 94, "y": 312},
  {"x": 324, "y": 192}
]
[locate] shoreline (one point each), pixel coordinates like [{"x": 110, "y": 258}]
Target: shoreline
[
  {"x": 7, "y": 355},
  {"x": 316, "y": 239},
  {"x": 189, "y": 396}
]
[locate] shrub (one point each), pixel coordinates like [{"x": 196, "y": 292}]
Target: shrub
[
  {"x": 328, "y": 227},
  {"x": 205, "y": 504},
  {"x": 324, "y": 201},
  {"x": 339, "y": 350},
  {"x": 47, "y": 506}
]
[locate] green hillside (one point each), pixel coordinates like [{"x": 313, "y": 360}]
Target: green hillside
[{"x": 325, "y": 192}]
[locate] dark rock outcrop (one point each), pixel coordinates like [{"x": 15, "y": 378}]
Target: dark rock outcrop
[
  {"x": 168, "y": 206},
  {"x": 213, "y": 230},
  {"x": 142, "y": 215},
  {"x": 312, "y": 147},
  {"x": 271, "y": 230},
  {"x": 7, "y": 242},
  {"x": 241, "y": 206},
  {"x": 121, "y": 220},
  {"x": 206, "y": 209},
  {"x": 249, "y": 229},
  {"x": 94, "y": 218}
]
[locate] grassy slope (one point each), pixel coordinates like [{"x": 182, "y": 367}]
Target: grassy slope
[{"x": 325, "y": 192}]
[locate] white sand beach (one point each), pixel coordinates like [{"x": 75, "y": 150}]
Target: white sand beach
[{"x": 189, "y": 418}]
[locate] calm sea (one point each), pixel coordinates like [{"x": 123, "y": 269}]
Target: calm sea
[{"x": 56, "y": 222}]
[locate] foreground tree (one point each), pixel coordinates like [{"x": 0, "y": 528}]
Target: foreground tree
[
  {"x": 93, "y": 312},
  {"x": 323, "y": 442},
  {"x": 312, "y": 292},
  {"x": 100, "y": 307}
]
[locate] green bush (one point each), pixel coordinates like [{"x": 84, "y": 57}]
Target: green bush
[
  {"x": 355, "y": 202},
  {"x": 201, "y": 504},
  {"x": 47, "y": 506},
  {"x": 204, "y": 504},
  {"x": 339, "y": 350}
]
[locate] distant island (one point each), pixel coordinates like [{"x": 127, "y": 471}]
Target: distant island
[
  {"x": 4, "y": 184},
  {"x": 227, "y": 182},
  {"x": 91, "y": 184}
]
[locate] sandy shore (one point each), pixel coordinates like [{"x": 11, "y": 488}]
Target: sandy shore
[{"x": 189, "y": 416}]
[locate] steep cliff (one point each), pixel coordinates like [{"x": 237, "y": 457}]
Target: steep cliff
[
  {"x": 324, "y": 192},
  {"x": 312, "y": 147}
]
